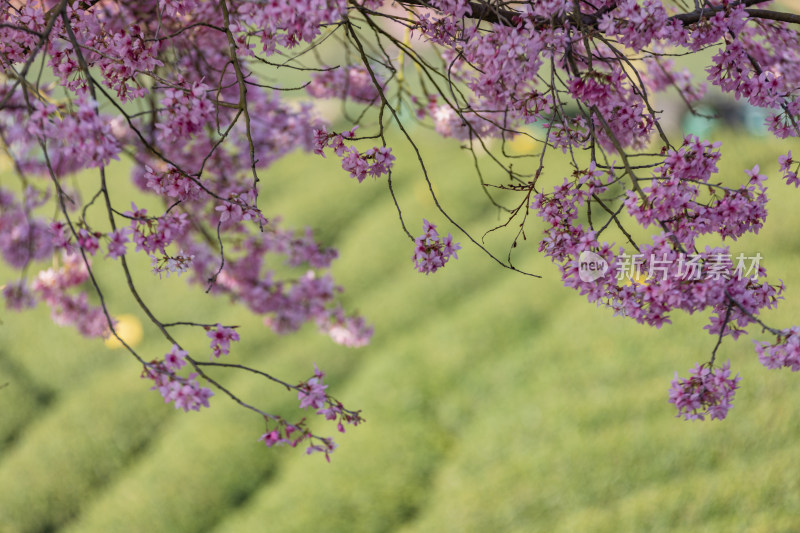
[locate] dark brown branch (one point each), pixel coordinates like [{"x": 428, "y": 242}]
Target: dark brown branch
[
  {"x": 721, "y": 331},
  {"x": 20, "y": 28},
  {"x": 697, "y": 15},
  {"x": 486, "y": 13},
  {"x": 774, "y": 15},
  {"x": 480, "y": 11}
]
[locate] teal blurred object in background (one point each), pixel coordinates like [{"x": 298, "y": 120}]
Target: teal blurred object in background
[
  {"x": 755, "y": 121},
  {"x": 722, "y": 115},
  {"x": 700, "y": 124}
]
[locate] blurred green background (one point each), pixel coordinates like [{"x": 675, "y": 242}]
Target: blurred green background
[{"x": 494, "y": 401}]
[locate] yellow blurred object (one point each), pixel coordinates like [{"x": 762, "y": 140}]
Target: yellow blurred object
[
  {"x": 5, "y": 163},
  {"x": 522, "y": 145},
  {"x": 637, "y": 278},
  {"x": 129, "y": 329}
]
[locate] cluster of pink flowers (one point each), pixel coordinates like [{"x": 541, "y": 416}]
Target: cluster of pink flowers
[
  {"x": 120, "y": 52},
  {"x": 311, "y": 393},
  {"x": 190, "y": 150},
  {"x": 631, "y": 122},
  {"x": 637, "y": 24},
  {"x": 178, "y": 263},
  {"x": 240, "y": 207},
  {"x": 785, "y": 352},
  {"x": 283, "y": 23},
  {"x": 449, "y": 123},
  {"x": 674, "y": 197},
  {"x": 350, "y": 331},
  {"x": 563, "y": 239},
  {"x": 707, "y": 392},
  {"x": 185, "y": 112},
  {"x": 286, "y": 305},
  {"x": 281, "y": 128},
  {"x": 568, "y": 134},
  {"x": 508, "y": 60},
  {"x": 88, "y": 241},
  {"x": 117, "y": 241},
  {"x": 70, "y": 308},
  {"x": 325, "y": 139},
  {"x": 284, "y": 433},
  {"x": 23, "y": 238},
  {"x": 208, "y": 121},
  {"x": 83, "y": 135},
  {"x": 784, "y": 124},
  {"x": 18, "y": 296},
  {"x": 17, "y": 44},
  {"x": 454, "y": 8},
  {"x": 348, "y": 83},
  {"x": 177, "y": 8},
  {"x": 671, "y": 202},
  {"x": 120, "y": 55},
  {"x": 154, "y": 234},
  {"x": 432, "y": 252},
  {"x": 648, "y": 303},
  {"x": 374, "y": 162},
  {"x": 727, "y": 72},
  {"x": 185, "y": 392},
  {"x": 786, "y": 163},
  {"x": 172, "y": 184},
  {"x": 221, "y": 338}
]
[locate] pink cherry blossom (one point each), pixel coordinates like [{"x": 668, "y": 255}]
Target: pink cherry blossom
[
  {"x": 221, "y": 338},
  {"x": 430, "y": 252},
  {"x": 175, "y": 358},
  {"x": 707, "y": 392},
  {"x": 117, "y": 241}
]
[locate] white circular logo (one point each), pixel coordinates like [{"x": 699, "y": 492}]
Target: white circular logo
[{"x": 591, "y": 266}]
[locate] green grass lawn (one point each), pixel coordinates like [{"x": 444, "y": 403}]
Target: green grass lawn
[{"x": 495, "y": 401}]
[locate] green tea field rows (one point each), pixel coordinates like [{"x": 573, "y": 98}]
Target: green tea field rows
[{"x": 494, "y": 401}]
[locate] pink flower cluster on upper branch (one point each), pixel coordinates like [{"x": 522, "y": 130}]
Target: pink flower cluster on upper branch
[
  {"x": 374, "y": 162},
  {"x": 352, "y": 82}
]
